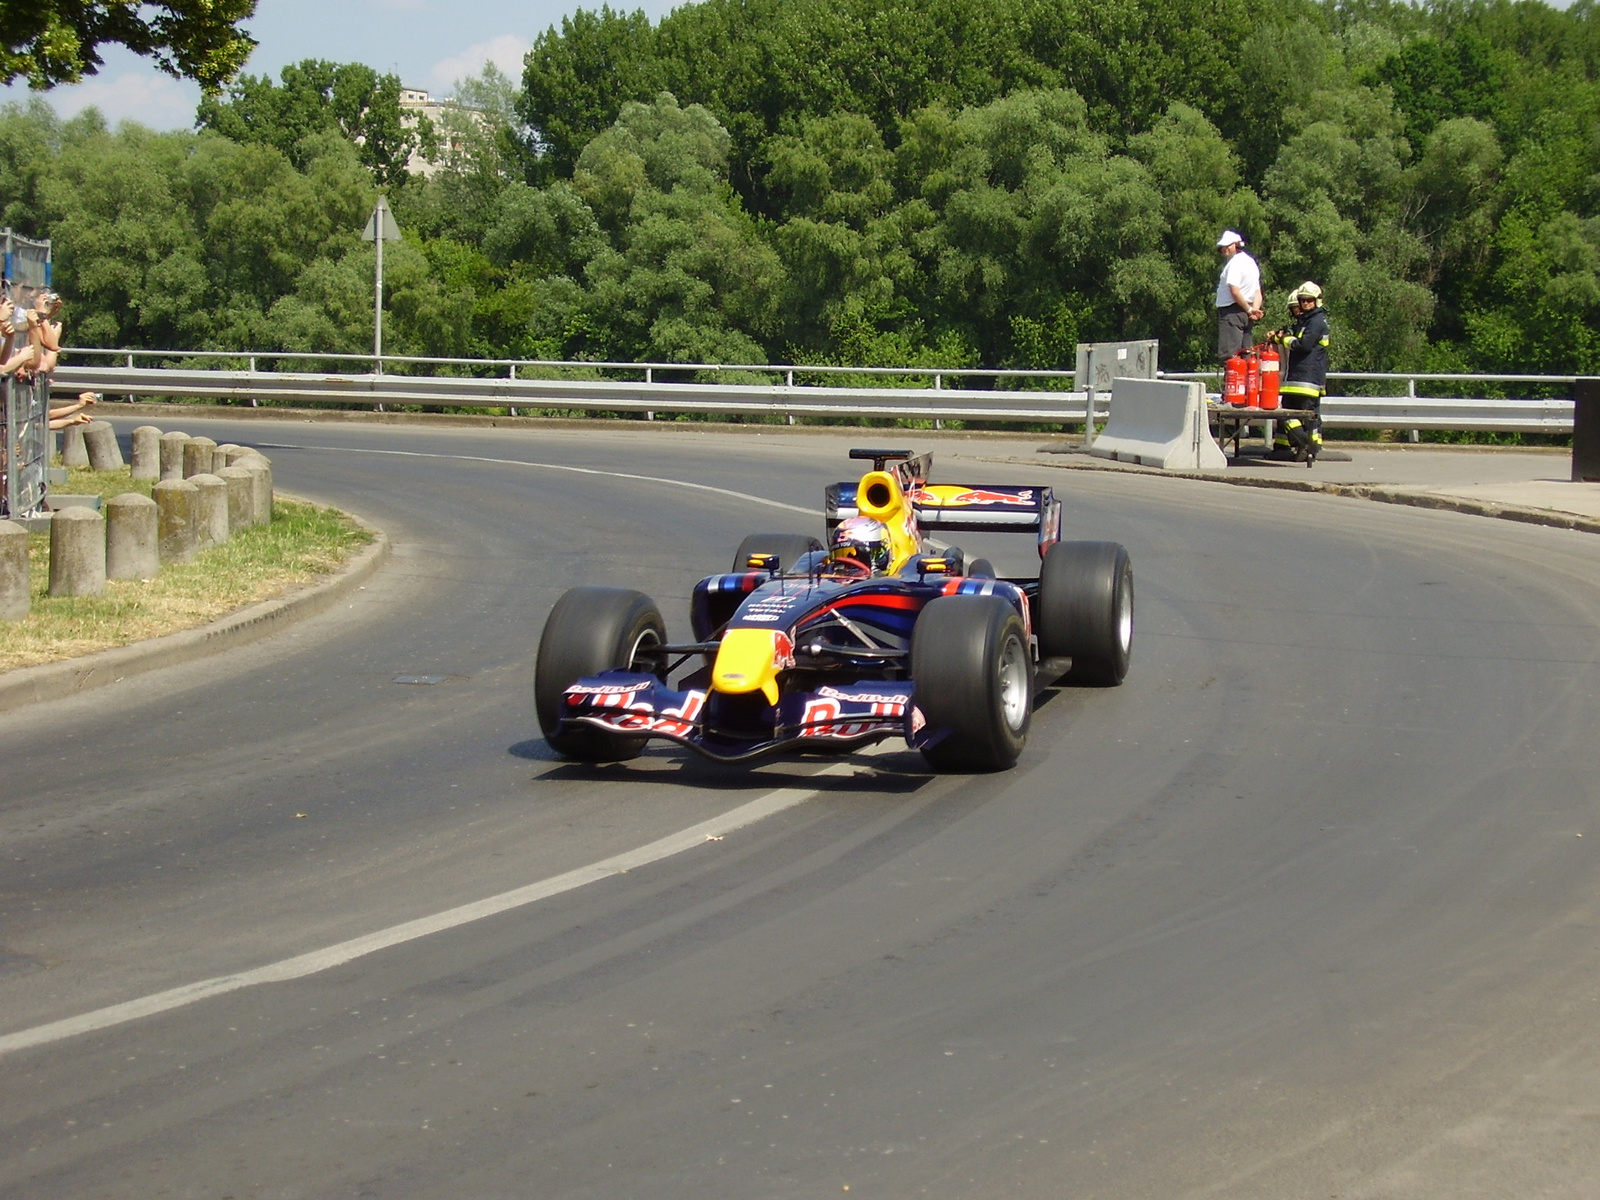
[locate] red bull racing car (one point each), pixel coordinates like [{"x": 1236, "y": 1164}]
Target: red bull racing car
[{"x": 880, "y": 633}]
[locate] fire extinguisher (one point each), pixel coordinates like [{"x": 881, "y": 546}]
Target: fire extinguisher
[
  {"x": 1271, "y": 361},
  {"x": 1252, "y": 379},
  {"x": 1233, "y": 380}
]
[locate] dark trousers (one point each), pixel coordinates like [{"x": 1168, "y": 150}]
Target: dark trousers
[{"x": 1233, "y": 332}]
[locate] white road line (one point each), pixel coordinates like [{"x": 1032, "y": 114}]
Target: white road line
[
  {"x": 337, "y": 955},
  {"x": 517, "y": 462}
]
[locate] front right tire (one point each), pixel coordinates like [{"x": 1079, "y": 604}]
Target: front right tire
[
  {"x": 590, "y": 630},
  {"x": 1085, "y": 611}
]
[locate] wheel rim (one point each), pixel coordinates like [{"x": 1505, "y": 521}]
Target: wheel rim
[
  {"x": 645, "y": 654},
  {"x": 1125, "y": 614},
  {"x": 1014, "y": 683}
]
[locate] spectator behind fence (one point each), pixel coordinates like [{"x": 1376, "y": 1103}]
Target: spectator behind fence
[
  {"x": 13, "y": 359},
  {"x": 46, "y": 313},
  {"x": 43, "y": 351}
]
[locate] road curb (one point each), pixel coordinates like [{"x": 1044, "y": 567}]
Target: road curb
[
  {"x": 1380, "y": 493},
  {"x": 57, "y": 680}
]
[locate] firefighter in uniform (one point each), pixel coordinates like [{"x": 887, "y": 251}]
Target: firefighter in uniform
[{"x": 1305, "y": 375}]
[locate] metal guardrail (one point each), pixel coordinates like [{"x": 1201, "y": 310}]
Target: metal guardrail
[
  {"x": 650, "y": 395},
  {"x": 585, "y": 394}
]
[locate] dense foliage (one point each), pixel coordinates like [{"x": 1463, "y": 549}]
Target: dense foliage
[
  {"x": 950, "y": 182},
  {"x": 58, "y": 41}
]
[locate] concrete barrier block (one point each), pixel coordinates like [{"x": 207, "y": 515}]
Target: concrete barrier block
[
  {"x": 146, "y": 452},
  {"x": 1159, "y": 423},
  {"x": 15, "y": 596},
  {"x": 177, "y": 535},
  {"x": 73, "y": 452},
  {"x": 261, "y": 478},
  {"x": 241, "y": 497},
  {"x": 77, "y": 552},
  {"x": 100, "y": 440},
  {"x": 235, "y": 453},
  {"x": 132, "y": 537},
  {"x": 197, "y": 456},
  {"x": 211, "y": 509},
  {"x": 172, "y": 454}
]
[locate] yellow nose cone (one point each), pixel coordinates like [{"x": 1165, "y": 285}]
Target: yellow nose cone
[{"x": 749, "y": 660}]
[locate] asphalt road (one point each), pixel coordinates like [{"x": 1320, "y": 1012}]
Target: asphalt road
[{"x": 1310, "y": 907}]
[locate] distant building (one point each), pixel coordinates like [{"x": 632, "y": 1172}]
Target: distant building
[{"x": 445, "y": 117}]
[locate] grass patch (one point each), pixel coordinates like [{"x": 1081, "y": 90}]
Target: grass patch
[{"x": 302, "y": 542}]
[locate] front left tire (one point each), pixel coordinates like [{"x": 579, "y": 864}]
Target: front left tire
[{"x": 973, "y": 677}]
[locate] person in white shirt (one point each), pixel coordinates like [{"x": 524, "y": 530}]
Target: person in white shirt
[{"x": 1238, "y": 296}]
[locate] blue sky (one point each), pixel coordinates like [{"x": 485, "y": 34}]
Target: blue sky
[{"x": 428, "y": 43}]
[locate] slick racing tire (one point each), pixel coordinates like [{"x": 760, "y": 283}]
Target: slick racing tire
[
  {"x": 590, "y": 630},
  {"x": 1085, "y": 611},
  {"x": 789, "y": 547},
  {"x": 973, "y": 676}
]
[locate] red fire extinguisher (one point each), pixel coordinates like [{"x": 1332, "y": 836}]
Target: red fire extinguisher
[
  {"x": 1252, "y": 379},
  {"x": 1233, "y": 381},
  {"x": 1271, "y": 361}
]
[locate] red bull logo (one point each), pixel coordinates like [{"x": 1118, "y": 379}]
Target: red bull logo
[
  {"x": 782, "y": 650},
  {"x": 1021, "y": 498}
]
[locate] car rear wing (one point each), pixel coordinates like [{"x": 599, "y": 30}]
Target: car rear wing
[{"x": 979, "y": 508}]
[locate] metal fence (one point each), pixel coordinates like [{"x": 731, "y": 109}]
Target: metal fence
[
  {"x": 25, "y": 451},
  {"x": 24, "y": 404},
  {"x": 798, "y": 390}
]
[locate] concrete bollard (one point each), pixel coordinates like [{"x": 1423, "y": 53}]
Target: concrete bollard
[
  {"x": 172, "y": 454},
  {"x": 219, "y": 459},
  {"x": 211, "y": 509},
  {"x": 197, "y": 456},
  {"x": 77, "y": 552},
  {"x": 100, "y": 440},
  {"x": 261, "y": 483},
  {"x": 15, "y": 595},
  {"x": 177, "y": 535},
  {"x": 147, "y": 452},
  {"x": 241, "y": 497},
  {"x": 235, "y": 453},
  {"x": 73, "y": 452},
  {"x": 132, "y": 547}
]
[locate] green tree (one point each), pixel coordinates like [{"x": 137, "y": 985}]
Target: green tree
[
  {"x": 315, "y": 97},
  {"x": 687, "y": 278},
  {"x": 58, "y": 41},
  {"x": 576, "y": 82}
]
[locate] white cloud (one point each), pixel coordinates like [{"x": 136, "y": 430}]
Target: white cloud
[
  {"x": 505, "y": 52},
  {"x": 144, "y": 95}
]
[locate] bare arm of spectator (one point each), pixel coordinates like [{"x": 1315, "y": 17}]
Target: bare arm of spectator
[{"x": 84, "y": 400}]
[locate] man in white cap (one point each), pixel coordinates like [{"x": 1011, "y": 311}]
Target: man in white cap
[{"x": 1238, "y": 296}]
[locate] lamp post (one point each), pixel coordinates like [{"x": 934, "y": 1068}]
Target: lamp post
[{"x": 380, "y": 229}]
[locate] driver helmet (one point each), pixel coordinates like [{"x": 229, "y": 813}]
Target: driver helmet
[{"x": 862, "y": 540}]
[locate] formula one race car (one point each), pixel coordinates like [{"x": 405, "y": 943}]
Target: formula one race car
[{"x": 877, "y": 635}]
